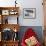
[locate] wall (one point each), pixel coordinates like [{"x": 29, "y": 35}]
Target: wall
[
  {"x": 39, "y": 13},
  {"x": 38, "y": 21},
  {"x": 7, "y": 3}
]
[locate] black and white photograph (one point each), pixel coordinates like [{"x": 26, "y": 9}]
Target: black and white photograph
[{"x": 29, "y": 13}]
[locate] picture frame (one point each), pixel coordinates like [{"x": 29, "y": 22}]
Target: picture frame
[
  {"x": 29, "y": 13},
  {"x": 5, "y": 12}
]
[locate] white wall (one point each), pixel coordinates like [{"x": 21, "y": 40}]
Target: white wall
[
  {"x": 7, "y": 3},
  {"x": 38, "y": 21},
  {"x": 39, "y": 13}
]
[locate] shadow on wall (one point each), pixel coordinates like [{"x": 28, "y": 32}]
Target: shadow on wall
[{"x": 37, "y": 29}]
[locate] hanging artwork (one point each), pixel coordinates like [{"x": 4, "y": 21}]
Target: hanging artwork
[{"x": 29, "y": 13}]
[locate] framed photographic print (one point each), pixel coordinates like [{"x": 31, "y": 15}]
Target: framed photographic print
[
  {"x": 5, "y": 12},
  {"x": 29, "y": 13}
]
